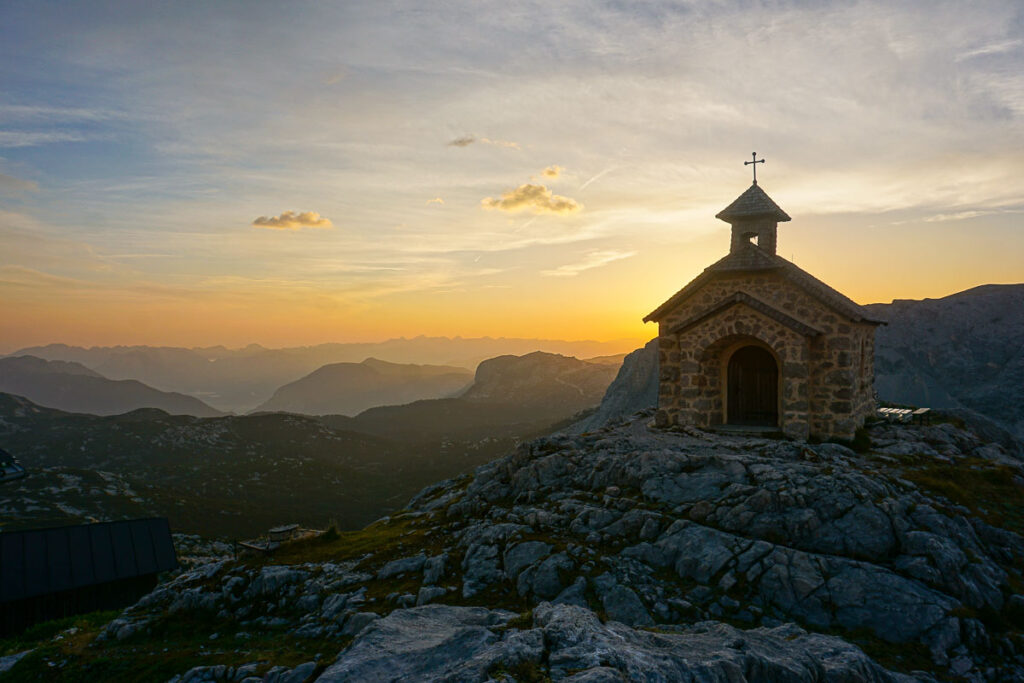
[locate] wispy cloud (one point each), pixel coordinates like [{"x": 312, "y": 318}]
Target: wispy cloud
[
  {"x": 990, "y": 49},
  {"x": 596, "y": 177},
  {"x": 435, "y": 200},
  {"x": 292, "y": 220},
  {"x": 337, "y": 77},
  {"x": 467, "y": 140},
  {"x": 9, "y": 183},
  {"x": 18, "y": 138},
  {"x": 594, "y": 259},
  {"x": 964, "y": 215},
  {"x": 25, "y": 112},
  {"x": 535, "y": 198}
]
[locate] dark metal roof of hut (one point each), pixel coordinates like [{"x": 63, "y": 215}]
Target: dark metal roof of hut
[
  {"x": 754, "y": 203},
  {"x": 42, "y": 561}
]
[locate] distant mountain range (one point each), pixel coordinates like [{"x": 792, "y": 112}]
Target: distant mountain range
[
  {"x": 70, "y": 386},
  {"x": 241, "y": 379},
  {"x": 350, "y": 388}
]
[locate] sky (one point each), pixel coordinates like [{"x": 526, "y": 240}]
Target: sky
[{"x": 197, "y": 173}]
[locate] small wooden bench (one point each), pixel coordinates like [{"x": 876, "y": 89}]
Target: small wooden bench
[
  {"x": 275, "y": 538},
  {"x": 906, "y": 415},
  {"x": 896, "y": 414},
  {"x": 283, "y": 533},
  {"x": 265, "y": 547}
]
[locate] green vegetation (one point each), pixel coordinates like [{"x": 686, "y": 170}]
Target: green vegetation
[
  {"x": 521, "y": 672},
  {"x": 992, "y": 492},
  {"x": 173, "y": 647},
  {"x": 902, "y": 657},
  {"x": 40, "y": 634},
  {"x": 385, "y": 539}
]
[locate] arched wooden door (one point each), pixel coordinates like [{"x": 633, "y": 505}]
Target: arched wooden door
[{"x": 753, "y": 388}]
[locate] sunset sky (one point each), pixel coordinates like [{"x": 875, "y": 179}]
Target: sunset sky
[{"x": 196, "y": 173}]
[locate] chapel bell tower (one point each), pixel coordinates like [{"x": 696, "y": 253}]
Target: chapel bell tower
[{"x": 753, "y": 215}]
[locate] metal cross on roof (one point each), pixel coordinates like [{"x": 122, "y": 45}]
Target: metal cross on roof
[{"x": 755, "y": 162}]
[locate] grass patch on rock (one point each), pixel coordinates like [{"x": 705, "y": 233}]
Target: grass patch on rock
[
  {"x": 992, "y": 492},
  {"x": 170, "y": 647}
]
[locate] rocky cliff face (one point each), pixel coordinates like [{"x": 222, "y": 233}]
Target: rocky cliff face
[
  {"x": 634, "y": 388},
  {"x": 561, "y": 384},
  {"x": 960, "y": 351},
  {"x": 632, "y": 554}
]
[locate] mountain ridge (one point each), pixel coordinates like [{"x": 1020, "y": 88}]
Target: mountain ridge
[
  {"x": 351, "y": 388},
  {"x": 240, "y": 379},
  {"x": 72, "y": 387}
]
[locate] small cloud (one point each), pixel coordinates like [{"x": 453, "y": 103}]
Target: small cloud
[
  {"x": 536, "y": 198},
  {"x": 552, "y": 172},
  {"x": 500, "y": 143},
  {"x": 336, "y": 77},
  {"x": 467, "y": 140},
  {"x": 435, "y": 200},
  {"x": 9, "y": 183},
  {"x": 291, "y": 220},
  {"x": 964, "y": 215},
  {"x": 594, "y": 259}
]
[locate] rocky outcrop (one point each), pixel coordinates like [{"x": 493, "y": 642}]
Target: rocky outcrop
[
  {"x": 559, "y": 383},
  {"x": 476, "y": 644},
  {"x": 758, "y": 530},
  {"x": 634, "y": 388},
  {"x": 696, "y": 557}
]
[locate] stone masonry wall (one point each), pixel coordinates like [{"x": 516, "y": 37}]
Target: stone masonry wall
[{"x": 825, "y": 381}]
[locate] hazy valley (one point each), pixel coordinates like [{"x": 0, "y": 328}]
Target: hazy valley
[
  {"x": 239, "y": 380},
  {"x": 238, "y": 475}
]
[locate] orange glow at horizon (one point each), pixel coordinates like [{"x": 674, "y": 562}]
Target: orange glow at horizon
[{"x": 603, "y": 304}]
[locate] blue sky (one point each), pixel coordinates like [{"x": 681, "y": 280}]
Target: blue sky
[{"x": 139, "y": 143}]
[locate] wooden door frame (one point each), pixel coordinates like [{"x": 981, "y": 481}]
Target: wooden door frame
[{"x": 727, "y": 355}]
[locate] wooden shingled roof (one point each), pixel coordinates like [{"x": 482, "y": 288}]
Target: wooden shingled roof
[
  {"x": 754, "y": 203},
  {"x": 750, "y": 257},
  {"x": 43, "y": 561}
]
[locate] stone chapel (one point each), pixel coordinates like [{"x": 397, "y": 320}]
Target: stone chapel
[{"x": 756, "y": 343}]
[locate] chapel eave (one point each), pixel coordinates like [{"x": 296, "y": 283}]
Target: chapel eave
[{"x": 751, "y": 258}]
